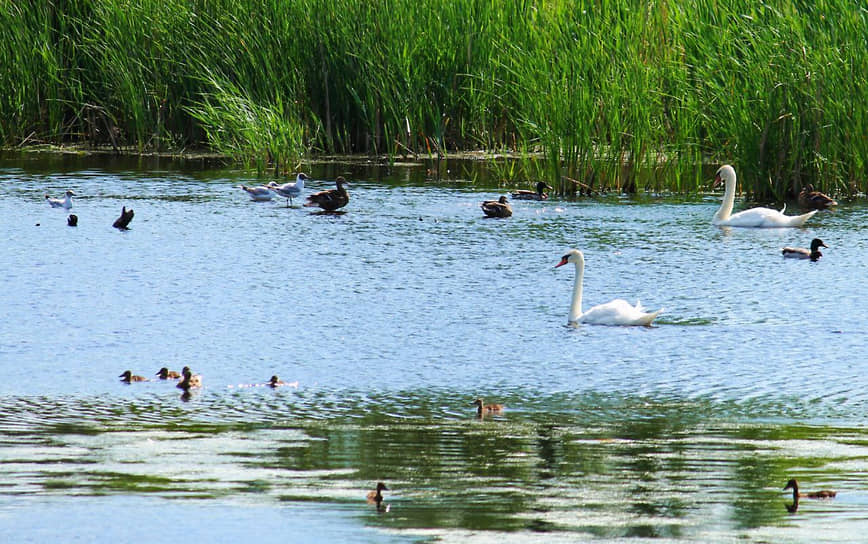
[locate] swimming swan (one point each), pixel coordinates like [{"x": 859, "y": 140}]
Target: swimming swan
[
  {"x": 754, "y": 217},
  {"x": 617, "y": 312}
]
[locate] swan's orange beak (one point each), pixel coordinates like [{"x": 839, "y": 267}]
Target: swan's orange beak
[
  {"x": 564, "y": 261},
  {"x": 717, "y": 181}
]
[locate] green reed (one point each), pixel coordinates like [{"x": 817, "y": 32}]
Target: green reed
[{"x": 617, "y": 94}]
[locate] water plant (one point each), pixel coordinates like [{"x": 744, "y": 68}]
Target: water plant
[{"x": 626, "y": 95}]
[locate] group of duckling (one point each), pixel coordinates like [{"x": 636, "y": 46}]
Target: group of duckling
[
  {"x": 328, "y": 200},
  {"x": 121, "y": 223},
  {"x": 188, "y": 379}
]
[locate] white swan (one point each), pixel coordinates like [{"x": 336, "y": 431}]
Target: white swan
[
  {"x": 258, "y": 194},
  {"x": 291, "y": 189},
  {"x": 617, "y": 312},
  {"x": 65, "y": 202},
  {"x": 754, "y": 217}
]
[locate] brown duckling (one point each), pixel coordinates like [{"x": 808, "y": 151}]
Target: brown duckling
[
  {"x": 822, "y": 494},
  {"x": 802, "y": 253},
  {"x": 129, "y": 377},
  {"x": 539, "y": 194},
  {"x": 166, "y": 374},
  {"x": 190, "y": 380},
  {"x": 331, "y": 199},
  {"x": 482, "y": 408},
  {"x": 809, "y": 198},
  {"x": 497, "y": 208},
  {"x": 376, "y": 496}
]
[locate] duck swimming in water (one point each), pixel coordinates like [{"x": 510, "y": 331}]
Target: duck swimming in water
[
  {"x": 129, "y": 377},
  {"x": 166, "y": 374},
  {"x": 376, "y": 496},
  {"x": 497, "y": 208},
  {"x": 802, "y": 253},
  {"x": 539, "y": 194},
  {"x": 277, "y": 382},
  {"x": 189, "y": 380},
  {"x": 482, "y": 408},
  {"x": 809, "y": 198}
]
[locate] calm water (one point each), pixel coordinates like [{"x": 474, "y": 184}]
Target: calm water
[{"x": 393, "y": 317}]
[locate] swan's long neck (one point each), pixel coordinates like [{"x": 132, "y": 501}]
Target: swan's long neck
[
  {"x": 728, "y": 199},
  {"x": 576, "y": 306}
]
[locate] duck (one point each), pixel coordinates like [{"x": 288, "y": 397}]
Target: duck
[
  {"x": 190, "y": 380},
  {"x": 65, "y": 202},
  {"x": 539, "y": 194},
  {"x": 809, "y": 198},
  {"x": 802, "y": 253},
  {"x": 331, "y": 199},
  {"x": 753, "y": 217},
  {"x": 822, "y": 494},
  {"x": 72, "y": 220},
  {"x": 277, "y": 382},
  {"x": 376, "y": 496},
  {"x": 482, "y": 408},
  {"x": 166, "y": 374},
  {"x": 129, "y": 377},
  {"x": 617, "y": 312},
  {"x": 290, "y": 189},
  {"x": 262, "y": 193},
  {"x": 125, "y": 218},
  {"x": 497, "y": 208}
]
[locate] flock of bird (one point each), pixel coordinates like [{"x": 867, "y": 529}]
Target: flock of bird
[
  {"x": 328, "y": 200},
  {"x": 65, "y": 202},
  {"x": 189, "y": 381}
]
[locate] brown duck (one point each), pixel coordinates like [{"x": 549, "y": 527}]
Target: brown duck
[
  {"x": 809, "y": 198},
  {"x": 125, "y": 218},
  {"x": 539, "y": 194},
  {"x": 376, "y": 496},
  {"x": 482, "y": 408},
  {"x": 331, "y": 199},
  {"x": 166, "y": 374},
  {"x": 497, "y": 208},
  {"x": 822, "y": 494},
  {"x": 189, "y": 380},
  {"x": 129, "y": 377}
]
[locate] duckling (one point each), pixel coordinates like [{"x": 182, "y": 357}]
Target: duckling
[
  {"x": 277, "y": 382},
  {"x": 539, "y": 194},
  {"x": 376, "y": 496},
  {"x": 331, "y": 199},
  {"x": 166, "y": 374},
  {"x": 125, "y": 218},
  {"x": 129, "y": 377},
  {"x": 482, "y": 408},
  {"x": 497, "y": 208},
  {"x": 72, "y": 220},
  {"x": 65, "y": 202},
  {"x": 190, "y": 380},
  {"x": 802, "y": 253},
  {"x": 822, "y": 494},
  {"x": 809, "y": 198}
]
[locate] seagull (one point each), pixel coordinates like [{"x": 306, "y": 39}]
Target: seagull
[
  {"x": 261, "y": 193},
  {"x": 291, "y": 189},
  {"x": 65, "y": 202}
]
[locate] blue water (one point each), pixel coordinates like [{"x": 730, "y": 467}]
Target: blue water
[{"x": 393, "y": 317}]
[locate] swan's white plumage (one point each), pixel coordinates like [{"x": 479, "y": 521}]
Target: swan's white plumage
[
  {"x": 617, "y": 312},
  {"x": 754, "y": 217}
]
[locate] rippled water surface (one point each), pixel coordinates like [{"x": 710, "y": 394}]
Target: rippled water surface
[{"x": 393, "y": 317}]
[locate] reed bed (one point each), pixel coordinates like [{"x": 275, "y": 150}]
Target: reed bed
[{"x": 620, "y": 94}]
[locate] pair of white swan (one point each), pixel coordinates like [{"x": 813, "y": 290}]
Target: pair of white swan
[{"x": 754, "y": 217}]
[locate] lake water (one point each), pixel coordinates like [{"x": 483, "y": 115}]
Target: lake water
[{"x": 393, "y": 317}]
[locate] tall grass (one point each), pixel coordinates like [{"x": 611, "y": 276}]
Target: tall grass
[{"x": 621, "y": 94}]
